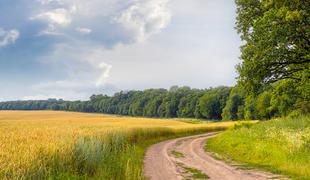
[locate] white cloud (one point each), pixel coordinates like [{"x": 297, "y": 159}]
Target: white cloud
[
  {"x": 84, "y": 72},
  {"x": 83, "y": 30},
  {"x": 8, "y": 37},
  {"x": 87, "y": 7},
  {"x": 145, "y": 18},
  {"x": 125, "y": 22},
  {"x": 199, "y": 44},
  {"x": 106, "y": 68},
  {"x": 58, "y": 16}
]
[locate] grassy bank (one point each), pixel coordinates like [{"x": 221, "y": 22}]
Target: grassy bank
[
  {"x": 280, "y": 145},
  {"x": 63, "y": 145}
]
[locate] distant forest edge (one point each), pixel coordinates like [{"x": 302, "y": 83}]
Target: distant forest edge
[
  {"x": 221, "y": 103},
  {"x": 274, "y": 75}
]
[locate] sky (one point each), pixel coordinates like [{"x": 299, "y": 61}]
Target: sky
[{"x": 71, "y": 49}]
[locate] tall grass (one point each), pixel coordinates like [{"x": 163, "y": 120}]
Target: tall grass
[
  {"x": 279, "y": 145},
  {"x": 59, "y": 145}
]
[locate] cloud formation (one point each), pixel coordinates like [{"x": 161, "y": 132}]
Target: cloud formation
[
  {"x": 144, "y": 18},
  {"x": 8, "y": 37},
  {"x": 81, "y": 59},
  {"x": 106, "y": 68},
  {"x": 58, "y": 16},
  {"x": 73, "y": 48},
  {"x": 84, "y": 70},
  {"x": 129, "y": 22}
]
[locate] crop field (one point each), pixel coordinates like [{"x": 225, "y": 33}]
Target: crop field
[{"x": 62, "y": 145}]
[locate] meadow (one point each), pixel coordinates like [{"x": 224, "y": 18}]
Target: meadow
[
  {"x": 67, "y": 145},
  {"x": 280, "y": 145}
]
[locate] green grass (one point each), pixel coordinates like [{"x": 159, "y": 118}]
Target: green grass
[
  {"x": 177, "y": 154},
  {"x": 126, "y": 160},
  {"x": 192, "y": 172},
  {"x": 281, "y": 146},
  {"x": 191, "y": 120}
]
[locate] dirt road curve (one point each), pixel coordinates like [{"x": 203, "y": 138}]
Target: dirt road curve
[{"x": 185, "y": 158}]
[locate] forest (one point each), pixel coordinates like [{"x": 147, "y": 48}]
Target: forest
[{"x": 221, "y": 103}]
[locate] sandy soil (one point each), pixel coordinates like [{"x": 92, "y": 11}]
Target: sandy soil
[{"x": 185, "y": 158}]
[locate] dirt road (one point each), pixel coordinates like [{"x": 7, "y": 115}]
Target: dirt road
[{"x": 185, "y": 158}]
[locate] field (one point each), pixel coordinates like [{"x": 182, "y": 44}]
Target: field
[
  {"x": 279, "y": 145},
  {"x": 62, "y": 145}
]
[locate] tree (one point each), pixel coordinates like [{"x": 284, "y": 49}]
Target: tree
[
  {"x": 234, "y": 105},
  {"x": 284, "y": 97},
  {"x": 249, "y": 107},
  {"x": 213, "y": 101},
  {"x": 277, "y": 41},
  {"x": 155, "y": 99},
  {"x": 263, "y": 109},
  {"x": 171, "y": 101},
  {"x": 189, "y": 104}
]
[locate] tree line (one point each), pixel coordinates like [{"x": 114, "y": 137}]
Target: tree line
[
  {"x": 221, "y": 103},
  {"x": 176, "y": 102}
]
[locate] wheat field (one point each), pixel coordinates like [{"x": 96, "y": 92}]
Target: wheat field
[{"x": 49, "y": 144}]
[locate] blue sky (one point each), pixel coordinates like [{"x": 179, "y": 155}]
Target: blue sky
[{"x": 72, "y": 49}]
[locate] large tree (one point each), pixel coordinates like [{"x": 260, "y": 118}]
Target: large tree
[{"x": 276, "y": 34}]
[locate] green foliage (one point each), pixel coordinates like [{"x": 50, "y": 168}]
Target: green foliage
[
  {"x": 212, "y": 103},
  {"x": 188, "y": 105},
  {"x": 279, "y": 145},
  {"x": 276, "y": 53},
  {"x": 263, "y": 106},
  {"x": 249, "y": 107},
  {"x": 234, "y": 109},
  {"x": 192, "y": 173},
  {"x": 284, "y": 97},
  {"x": 35, "y": 105},
  {"x": 277, "y": 36},
  {"x": 177, "y": 102}
]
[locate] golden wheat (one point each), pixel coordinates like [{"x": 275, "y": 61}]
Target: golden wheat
[{"x": 27, "y": 136}]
